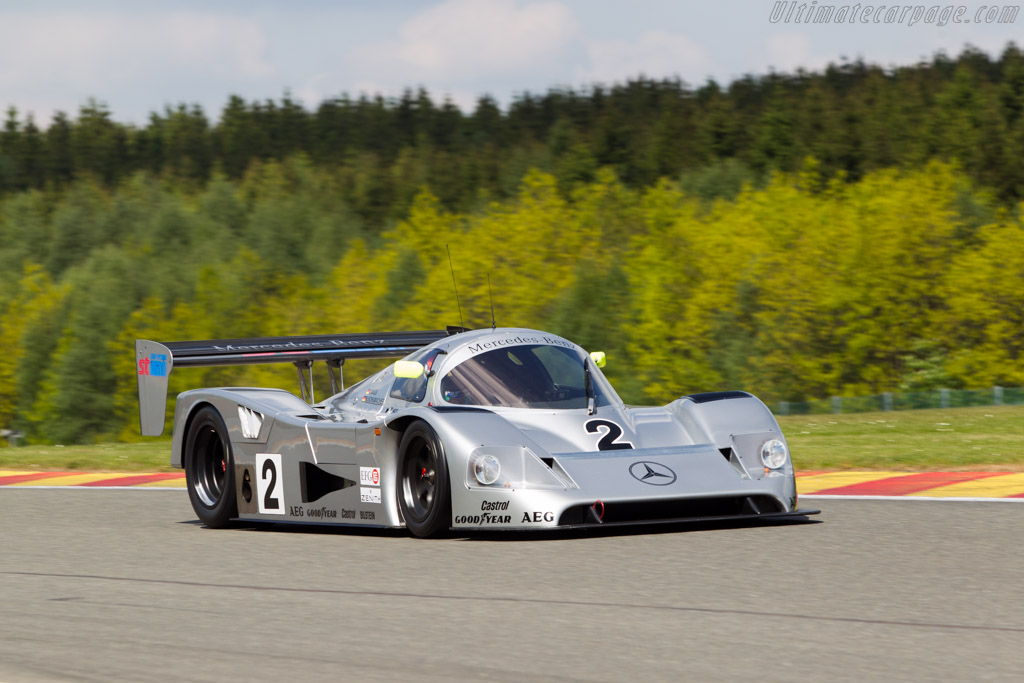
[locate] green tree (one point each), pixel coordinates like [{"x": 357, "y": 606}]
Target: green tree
[{"x": 75, "y": 402}]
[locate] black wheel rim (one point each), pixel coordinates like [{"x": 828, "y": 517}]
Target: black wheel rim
[
  {"x": 210, "y": 466},
  {"x": 419, "y": 480}
]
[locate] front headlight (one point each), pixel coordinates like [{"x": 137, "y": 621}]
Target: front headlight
[
  {"x": 510, "y": 467},
  {"x": 486, "y": 469},
  {"x": 774, "y": 454}
]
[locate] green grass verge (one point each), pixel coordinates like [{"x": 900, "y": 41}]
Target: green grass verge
[
  {"x": 148, "y": 456},
  {"x": 987, "y": 438}
]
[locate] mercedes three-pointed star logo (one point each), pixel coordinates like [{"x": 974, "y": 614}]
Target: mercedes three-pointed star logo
[{"x": 653, "y": 473}]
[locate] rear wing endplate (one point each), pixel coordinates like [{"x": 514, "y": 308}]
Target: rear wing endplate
[{"x": 155, "y": 360}]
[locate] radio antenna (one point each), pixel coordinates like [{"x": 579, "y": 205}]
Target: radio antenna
[
  {"x": 491, "y": 297},
  {"x": 455, "y": 285}
]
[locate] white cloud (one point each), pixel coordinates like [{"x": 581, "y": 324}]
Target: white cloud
[
  {"x": 229, "y": 46},
  {"x": 787, "y": 52},
  {"x": 313, "y": 92},
  {"x": 67, "y": 55},
  {"x": 462, "y": 40},
  {"x": 655, "y": 54}
]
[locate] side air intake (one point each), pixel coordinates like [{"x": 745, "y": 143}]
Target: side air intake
[{"x": 316, "y": 483}]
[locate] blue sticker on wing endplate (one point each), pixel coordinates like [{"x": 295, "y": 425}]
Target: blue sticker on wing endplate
[{"x": 154, "y": 366}]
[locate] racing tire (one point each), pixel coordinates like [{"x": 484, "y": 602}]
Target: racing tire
[
  {"x": 210, "y": 469},
  {"x": 424, "y": 495}
]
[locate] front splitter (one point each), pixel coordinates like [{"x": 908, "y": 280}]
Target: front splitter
[{"x": 647, "y": 522}]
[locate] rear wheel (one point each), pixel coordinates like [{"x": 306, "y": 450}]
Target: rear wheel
[
  {"x": 424, "y": 495},
  {"x": 209, "y": 469}
]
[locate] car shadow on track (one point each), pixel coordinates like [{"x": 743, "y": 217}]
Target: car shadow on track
[
  {"x": 302, "y": 528},
  {"x": 516, "y": 535},
  {"x": 650, "y": 529}
]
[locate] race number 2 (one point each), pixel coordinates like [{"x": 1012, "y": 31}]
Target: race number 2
[
  {"x": 610, "y": 435},
  {"x": 269, "y": 490}
]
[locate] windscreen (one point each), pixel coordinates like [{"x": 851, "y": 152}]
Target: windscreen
[{"x": 527, "y": 376}]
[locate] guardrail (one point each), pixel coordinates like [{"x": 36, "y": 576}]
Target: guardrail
[
  {"x": 12, "y": 436},
  {"x": 939, "y": 398}
]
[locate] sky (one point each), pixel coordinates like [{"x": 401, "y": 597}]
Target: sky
[{"x": 139, "y": 56}]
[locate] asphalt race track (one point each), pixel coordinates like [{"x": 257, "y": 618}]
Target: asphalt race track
[{"x": 101, "y": 585}]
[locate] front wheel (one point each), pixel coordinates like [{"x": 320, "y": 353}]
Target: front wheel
[
  {"x": 210, "y": 470},
  {"x": 424, "y": 496}
]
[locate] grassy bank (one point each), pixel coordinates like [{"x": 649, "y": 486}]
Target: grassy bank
[
  {"x": 988, "y": 438},
  {"x": 985, "y": 438},
  {"x": 153, "y": 455}
]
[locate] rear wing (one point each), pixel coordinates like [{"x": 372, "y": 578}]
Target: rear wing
[{"x": 155, "y": 360}]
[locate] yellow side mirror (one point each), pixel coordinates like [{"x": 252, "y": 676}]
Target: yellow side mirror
[
  {"x": 408, "y": 369},
  {"x": 598, "y": 358}
]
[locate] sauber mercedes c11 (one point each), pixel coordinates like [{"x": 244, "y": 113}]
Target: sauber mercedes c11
[{"x": 486, "y": 429}]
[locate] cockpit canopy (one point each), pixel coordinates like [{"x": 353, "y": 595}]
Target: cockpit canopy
[{"x": 524, "y": 376}]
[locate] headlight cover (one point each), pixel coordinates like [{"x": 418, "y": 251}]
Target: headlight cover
[
  {"x": 512, "y": 467},
  {"x": 486, "y": 469},
  {"x": 774, "y": 454}
]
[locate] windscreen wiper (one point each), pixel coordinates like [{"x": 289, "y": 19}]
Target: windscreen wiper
[{"x": 589, "y": 388}]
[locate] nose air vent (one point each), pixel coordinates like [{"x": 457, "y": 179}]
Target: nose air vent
[
  {"x": 632, "y": 512},
  {"x": 560, "y": 472},
  {"x": 717, "y": 396},
  {"x": 734, "y": 459}
]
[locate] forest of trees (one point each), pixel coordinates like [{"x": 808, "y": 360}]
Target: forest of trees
[
  {"x": 852, "y": 117},
  {"x": 800, "y": 236}
]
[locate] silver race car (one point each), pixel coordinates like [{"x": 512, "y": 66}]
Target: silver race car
[{"x": 487, "y": 429}]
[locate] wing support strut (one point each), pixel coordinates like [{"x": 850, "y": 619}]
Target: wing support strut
[
  {"x": 155, "y": 360},
  {"x": 305, "y": 367}
]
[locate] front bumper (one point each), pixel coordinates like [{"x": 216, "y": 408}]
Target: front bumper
[
  {"x": 641, "y": 486},
  {"x": 590, "y": 524}
]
